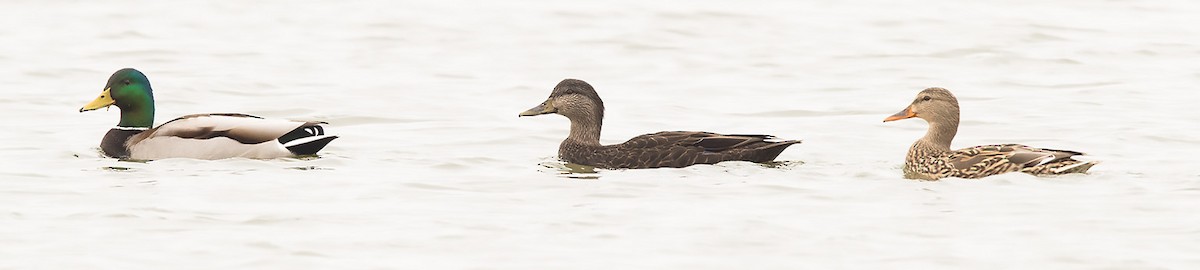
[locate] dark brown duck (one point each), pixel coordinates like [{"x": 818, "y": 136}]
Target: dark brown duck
[{"x": 576, "y": 100}]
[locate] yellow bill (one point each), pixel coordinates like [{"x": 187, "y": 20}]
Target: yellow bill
[{"x": 103, "y": 101}]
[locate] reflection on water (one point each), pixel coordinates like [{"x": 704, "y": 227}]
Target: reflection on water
[
  {"x": 578, "y": 171},
  {"x": 307, "y": 157},
  {"x": 116, "y": 169},
  {"x": 572, "y": 170},
  {"x": 782, "y": 164},
  {"x": 308, "y": 168}
]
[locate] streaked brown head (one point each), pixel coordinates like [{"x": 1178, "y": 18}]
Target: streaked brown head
[
  {"x": 572, "y": 98},
  {"x": 932, "y": 104}
]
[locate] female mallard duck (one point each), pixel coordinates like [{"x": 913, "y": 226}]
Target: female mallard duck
[
  {"x": 930, "y": 158},
  {"x": 201, "y": 136},
  {"x": 576, "y": 100}
]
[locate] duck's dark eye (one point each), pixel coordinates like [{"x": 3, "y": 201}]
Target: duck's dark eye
[
  {"x": 926, "y": 98},
  {"x": 126, "y": 82}
]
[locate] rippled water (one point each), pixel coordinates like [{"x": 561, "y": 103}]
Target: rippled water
[{"x": 435, "y": 171}]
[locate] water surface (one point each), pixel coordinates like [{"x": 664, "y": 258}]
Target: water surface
[{"x": 435, "y": 171}]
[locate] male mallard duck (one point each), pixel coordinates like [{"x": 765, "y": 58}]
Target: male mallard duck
[
  {"x": 576, "y": 100},
  {"x": 201, "y": 136},
  {"x": 930, "y": 158}
]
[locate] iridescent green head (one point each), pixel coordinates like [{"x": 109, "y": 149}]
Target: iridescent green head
[{"x": 130, "y": 90}]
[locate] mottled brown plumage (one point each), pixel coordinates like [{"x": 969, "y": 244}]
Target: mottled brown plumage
[
  {"x": 576, "y": 100},
  {"x": 930, "y": 158}
]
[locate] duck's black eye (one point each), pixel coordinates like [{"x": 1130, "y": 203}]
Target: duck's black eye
[
  {"x": 926, "y": 98},
  {"x": 126, "y": 81}
]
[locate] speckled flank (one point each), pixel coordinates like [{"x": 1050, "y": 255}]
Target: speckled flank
[{"x": 980, "y": 161}]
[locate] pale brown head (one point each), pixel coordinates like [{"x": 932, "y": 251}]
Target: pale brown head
[{"x": 934, "y": 104}]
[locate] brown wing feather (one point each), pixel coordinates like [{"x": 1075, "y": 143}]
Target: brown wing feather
[
  {"x": 980, "y": 161},
  {"x": 678, "y": 149}
]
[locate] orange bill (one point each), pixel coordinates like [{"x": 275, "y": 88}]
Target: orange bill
[{"x": 905, "y": 114}]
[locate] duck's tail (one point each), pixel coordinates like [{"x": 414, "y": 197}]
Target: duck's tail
[
  {"x": 306, "y": 139},
  {"x": 308, "y": 145},
  {"x": 769, "y": 152},
  {"x": 1078, "y": 167}
]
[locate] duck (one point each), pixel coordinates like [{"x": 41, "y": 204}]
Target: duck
[
  {"x": 930, "y": 158},
  {"x": 579, "y": 102},
  {"x": 197, "y": 136}
]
